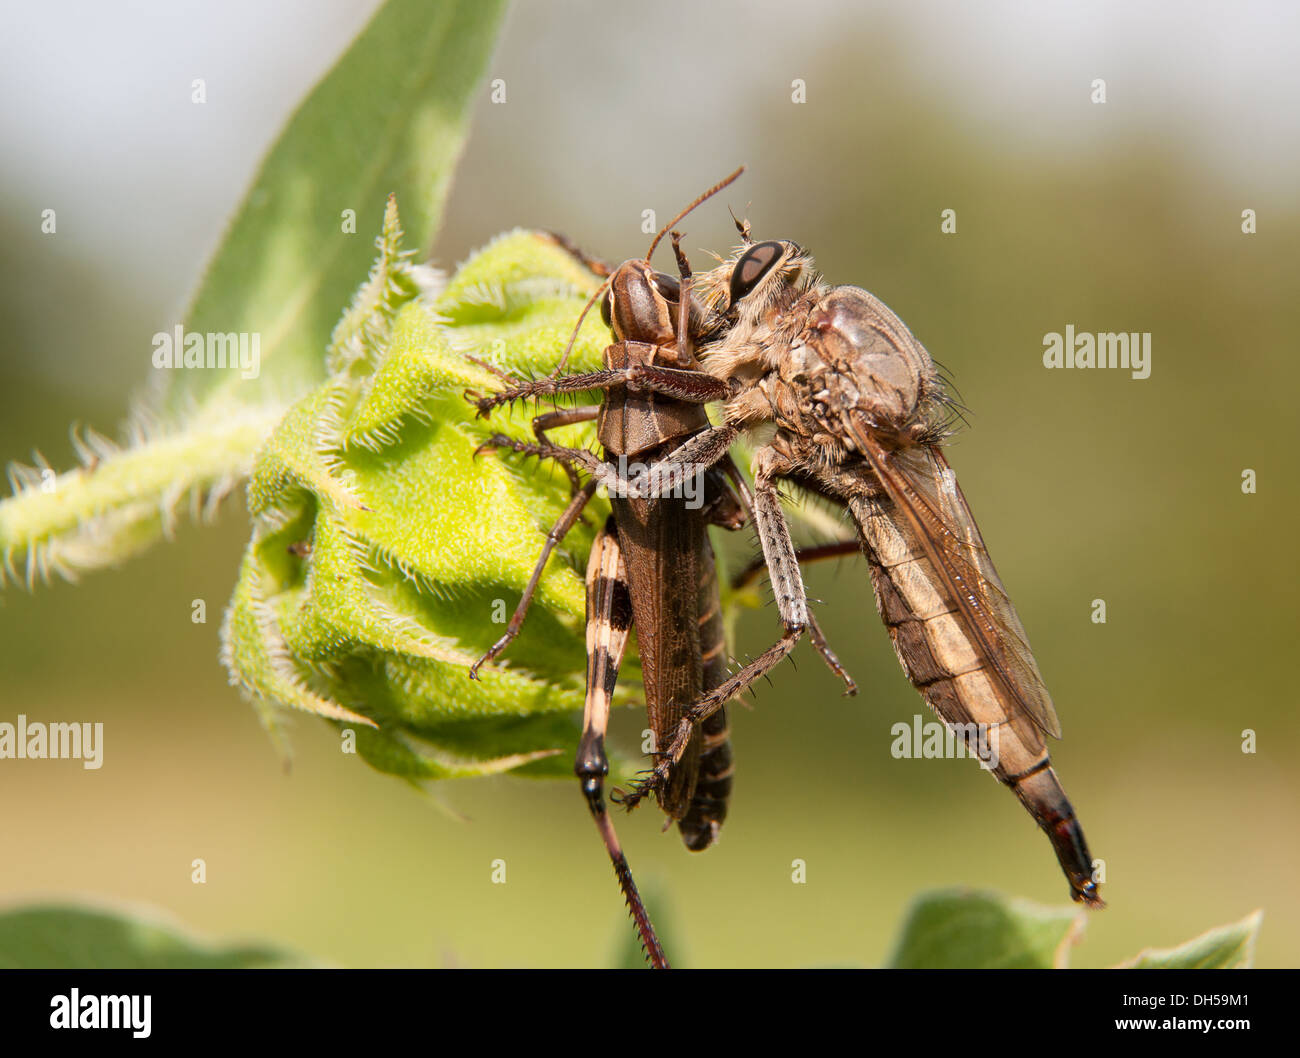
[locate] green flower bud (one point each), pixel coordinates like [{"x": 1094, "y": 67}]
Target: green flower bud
[{"x": 386, "y": 557}]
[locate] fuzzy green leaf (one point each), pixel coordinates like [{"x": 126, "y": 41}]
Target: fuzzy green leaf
[
  {"x": 1230, "y": 947},
  {"x": 960, "y": 929},
  {"x": 389, "y": 118}
]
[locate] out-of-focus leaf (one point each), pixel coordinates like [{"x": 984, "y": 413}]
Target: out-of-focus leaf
[
  {"x": 959, "y": 929},
  {"x": 1230, "y": 947},
  {"x": 389, "y": 117},
  {"x": 68, "y": 937}
]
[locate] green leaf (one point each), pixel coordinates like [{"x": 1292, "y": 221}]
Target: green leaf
[
  {"x": 61, "y": 937},
  {"x": 390, "y": 117},
  {"x": 1230, "y": 947},
  {"x": 960, "y": 929}
]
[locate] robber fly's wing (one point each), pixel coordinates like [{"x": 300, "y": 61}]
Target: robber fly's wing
[{"x": 925, "y": 492}]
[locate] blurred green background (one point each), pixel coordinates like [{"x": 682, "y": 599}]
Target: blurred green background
[{"x": 1117, "y": 217}]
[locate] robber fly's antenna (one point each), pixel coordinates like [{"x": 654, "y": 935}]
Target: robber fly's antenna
[
  {"x": 703, "y": 198},
  {"x": 742, "y": 226},
  {"x": 684, "y": 350}
]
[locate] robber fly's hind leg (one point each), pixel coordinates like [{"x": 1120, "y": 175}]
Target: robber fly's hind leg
[
  {"x": 838, "y": 549},
  {"x": 609, "y": 620},
  {"x": 829, "y": 656},
  {"x": 553, "y": 538},
  {"x": 791, "y": 603}
]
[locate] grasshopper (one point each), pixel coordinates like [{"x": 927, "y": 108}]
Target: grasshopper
[{"x": 652, "y": 566}]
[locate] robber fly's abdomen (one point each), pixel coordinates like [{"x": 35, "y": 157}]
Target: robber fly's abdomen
[
  {"x": 699, "y": 827},
  {"x": 942, "y": 662}
]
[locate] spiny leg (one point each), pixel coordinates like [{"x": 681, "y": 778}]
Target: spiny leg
[
  {"x": 792, "y": 605},
  {"x": 659, "y": 478},
  {"x": 818, "y": 639},
  {"x": 601, "y": 473},
  {"x": 804, "y": 555},
  {"x": 553, "y": 538},
  {"x": 553, "y": 420},
  {"x": 694, "y": 387},
  {"x": 695, "y": 456},
  {"x": 609, "y": 620},
  {"x": 814, "y": 629}
]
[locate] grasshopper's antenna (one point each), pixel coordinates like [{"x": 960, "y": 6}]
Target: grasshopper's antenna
[
  {"x": 578, "y": 326},
  {"x": 703, "y": 198}
]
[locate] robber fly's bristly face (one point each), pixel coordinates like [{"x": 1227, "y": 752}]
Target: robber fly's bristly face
[{"x": 825, "y": 360}]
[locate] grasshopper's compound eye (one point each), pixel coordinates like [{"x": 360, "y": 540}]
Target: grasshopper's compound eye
[
  {"x": 756, "y": 263},
  {"x": 667, "y": 286},
  {"x": 606, "y": 309}
]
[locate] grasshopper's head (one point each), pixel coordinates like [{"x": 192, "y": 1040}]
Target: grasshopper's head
[{"x": 641, "y": 304}]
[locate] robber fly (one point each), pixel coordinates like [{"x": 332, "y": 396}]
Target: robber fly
[
  {"x": 651, "y": 567},
  {"x": 860, "y": 414}
]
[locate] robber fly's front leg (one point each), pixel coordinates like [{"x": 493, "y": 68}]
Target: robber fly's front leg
[
  {"x": 658, "y": 479},
  {"x": 779, "y": 464}
]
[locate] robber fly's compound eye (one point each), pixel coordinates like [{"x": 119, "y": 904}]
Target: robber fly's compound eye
[
  {"x": 667, "y": 286},
  {"x": 606, "y": 312},
  {"x": 756, "y": 263}
]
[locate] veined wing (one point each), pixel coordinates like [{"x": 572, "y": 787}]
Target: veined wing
[{"x": 925, "y": 492}]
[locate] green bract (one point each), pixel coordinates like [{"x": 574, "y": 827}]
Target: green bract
[{"x": 386, "y": 557}]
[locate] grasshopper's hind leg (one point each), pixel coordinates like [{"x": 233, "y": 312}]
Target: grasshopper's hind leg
[{"x": 609, "y": 620}]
